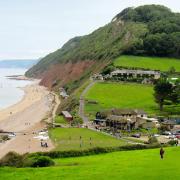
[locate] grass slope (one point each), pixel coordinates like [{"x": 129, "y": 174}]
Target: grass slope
[
  {"x": 119, "y": 95},
  {"x": 69, "y": 139},
  {"x": 129, "y": 165},
  {"x": 155, "y": 63}
]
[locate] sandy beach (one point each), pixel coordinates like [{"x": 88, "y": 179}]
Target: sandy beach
[{"x": 25, "y": 120}]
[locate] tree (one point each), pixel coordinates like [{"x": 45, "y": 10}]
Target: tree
[
  {"x": 175, "y": 96},
  {"x": 172, "y": 70},
  {"x": 163, "y": 90}
]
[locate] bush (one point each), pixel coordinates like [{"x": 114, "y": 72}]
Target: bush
[
  {"x": 38, "y": 161},
  {"x": 12, "y": 159},
  {"x": 5, "y": 137},
  {"x": 172, "y": 142},
  {"x": 92, "y": 151}
]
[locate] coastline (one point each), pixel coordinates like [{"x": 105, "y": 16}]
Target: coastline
[
  {"x": 21, "y": 104},
  {"x": 24, "y": 118}
]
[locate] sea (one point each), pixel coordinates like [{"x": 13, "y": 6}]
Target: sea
[{"x": 10, "y": 90}]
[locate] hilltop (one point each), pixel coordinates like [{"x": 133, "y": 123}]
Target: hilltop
[{"x": 146, "y": 30}]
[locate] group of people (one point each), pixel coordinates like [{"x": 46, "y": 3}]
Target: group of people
[{"x": 44, "y": 144}]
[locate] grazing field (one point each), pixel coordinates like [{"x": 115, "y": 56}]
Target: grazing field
[
  {"x": 154, "y": 63},
  {"x": 81, "y": 138},
  {"x": 131, "y": 165},
  {"x": 119, "y": 95}
]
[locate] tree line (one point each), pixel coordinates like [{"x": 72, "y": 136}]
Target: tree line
[{"x": 163, "y": 36}]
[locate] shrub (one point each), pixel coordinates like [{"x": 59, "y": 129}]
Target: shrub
[
  {"x": 38, "y": 161},
  {"x": 5, "y": 137},
  {"x": 96, "y": 150},
  {"x": 172, "y": 142},
  {"x": 12, "y": 159}
]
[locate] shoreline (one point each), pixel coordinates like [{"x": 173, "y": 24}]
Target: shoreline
[
  {"x": 15, "y": 107},
  {"x": 24, "y": 118}
]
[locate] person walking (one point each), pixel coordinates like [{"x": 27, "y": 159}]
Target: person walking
[{"x": 162, "y": 153}]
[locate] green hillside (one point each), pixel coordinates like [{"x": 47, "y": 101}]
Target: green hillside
[
  {"x": 131, "y": 165},
  {"x": 119, "y": 95},
  {"x": 145, "y": 30},
  {"x": 154, "y": 63},
  {"x": 105, "y": 43}
]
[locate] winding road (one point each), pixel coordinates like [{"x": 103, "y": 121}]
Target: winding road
[{"x": 82, "y": 103}]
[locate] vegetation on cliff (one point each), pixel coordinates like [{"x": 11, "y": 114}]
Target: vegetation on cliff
[{"x": 146, "y": 30}]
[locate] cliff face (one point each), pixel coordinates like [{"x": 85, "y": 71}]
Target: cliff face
[
  {"x": 64, "y": 73},
  {"x": 81, "y": 53},
  {"x": 133, "y": 31}
]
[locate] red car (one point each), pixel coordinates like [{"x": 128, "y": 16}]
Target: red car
[{"x": 178, "y": 136}]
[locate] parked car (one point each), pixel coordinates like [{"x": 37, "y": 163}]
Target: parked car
[
  {"x": 178, "y": 136},
  {"x": 167, "y": 133},
  {"x": 171, "y": 136},
  {"x": 136, "y": 135},
  {"x": 156, "y": 135}
]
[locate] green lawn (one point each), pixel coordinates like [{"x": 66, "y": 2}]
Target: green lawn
[
  {"x": 119, "y": 95},
  {"x": 129, "y": 165},
  {"x": 61, "y": 120},
  {"x": 155, "y": 63},
  {"x": 69, "y": 139}
]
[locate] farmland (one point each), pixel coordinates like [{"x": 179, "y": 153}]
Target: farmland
[
  {"x": 123, "y": 95},
  {"x": 78, "y": 138},
  {"x": 141, "y": 164},
  {"x": 154, "y": 63}
]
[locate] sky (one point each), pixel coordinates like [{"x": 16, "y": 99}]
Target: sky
[{"x": 30, "y": 29}]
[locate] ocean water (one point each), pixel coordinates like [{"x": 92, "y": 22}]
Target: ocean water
[{"x": 10, "y": 92}]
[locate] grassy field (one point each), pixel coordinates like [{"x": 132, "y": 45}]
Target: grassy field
[
  {"x": 155, "y": 63},
  {"x": 118, "y": 95},
  {"x": 78, "y": 138},
  {"x": 60, "y": 120},
  {"x": 129, "y": 165}
]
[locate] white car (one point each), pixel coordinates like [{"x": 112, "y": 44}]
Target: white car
[
  {"x": 167, "y": 133},
  {"x": 156, "y": 135},
  {"x": 171, "y": 136}
]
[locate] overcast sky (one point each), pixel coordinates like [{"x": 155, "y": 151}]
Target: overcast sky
[{"x": 33, "y": 28}]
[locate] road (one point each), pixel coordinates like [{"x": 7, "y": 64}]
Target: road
[{"x": 82, "y": 103}]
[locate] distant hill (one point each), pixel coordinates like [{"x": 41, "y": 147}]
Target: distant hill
[
  {"x": 17, "y": 63},
  {"x": 150, "y": 30}
]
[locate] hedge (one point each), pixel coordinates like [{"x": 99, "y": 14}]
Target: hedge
[{"x": 96, "y": 150}]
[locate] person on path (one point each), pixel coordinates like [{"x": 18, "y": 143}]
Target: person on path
[{"x": 162, "y": 153}]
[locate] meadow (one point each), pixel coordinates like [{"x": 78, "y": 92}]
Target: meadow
[
  {"x": 130, "y": 165},
  {"x": 124, "y": 95},
  {"x": 81, "y": 138},
  {"x": 154, "y": 63}
]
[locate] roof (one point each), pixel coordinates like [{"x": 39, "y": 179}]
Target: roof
[
  {"x": 66, "y": 114},
  {"x": 168, "y": 122},
  {"x": 150, "y": 119},
  {"x": 131, "y": 71},
  {"x": 119, "y": 112},
  {"x": 140, "y": 111},
  {"x": 118, "y": 118}
]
